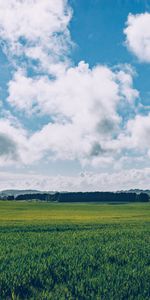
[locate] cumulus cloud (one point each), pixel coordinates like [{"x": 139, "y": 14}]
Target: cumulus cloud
[
  {"x": 36, "y": 30},
  {"x": 13, "y": 142},
  {"x": 87, "y": 110},
  {"x": 79, "y": 88},
  {"x": 83, "y": 106},
  {"x": 137, "y": 33},
  {"x": 7, "y": 147},
  {"x": 139, "y": 132},
  {"x": 17, "y": 145}
]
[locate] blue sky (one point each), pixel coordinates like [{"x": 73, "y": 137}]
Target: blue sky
[
  {"x": 75, "y": 96},
  {"x": 97, "y": 28}
]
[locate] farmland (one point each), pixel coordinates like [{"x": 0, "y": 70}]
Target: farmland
[{"x": 74, "y": 251}]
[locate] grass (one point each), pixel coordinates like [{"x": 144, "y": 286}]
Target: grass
[
  {"x": 12, "y": 212},
  {"x": 74, "y": 251}
]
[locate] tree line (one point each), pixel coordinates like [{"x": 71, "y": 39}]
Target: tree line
[{"x": 83, "y": 197}]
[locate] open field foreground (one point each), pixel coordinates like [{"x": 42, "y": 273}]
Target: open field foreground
[{"x": 74, "y": 251}]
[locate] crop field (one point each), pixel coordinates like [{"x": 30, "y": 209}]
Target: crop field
[{"x": 74, "y": 251}]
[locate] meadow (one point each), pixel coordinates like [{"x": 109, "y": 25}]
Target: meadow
[{"x": 74, "y": 251}]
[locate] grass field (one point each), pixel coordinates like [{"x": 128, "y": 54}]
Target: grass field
[{"x": 74, "y": 251}]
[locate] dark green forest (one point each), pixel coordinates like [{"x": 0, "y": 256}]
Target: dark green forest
[{"x": 82, "y": 197}]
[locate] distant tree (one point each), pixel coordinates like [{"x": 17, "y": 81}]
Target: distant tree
[
  {"x": 84, "y": 197},
  {"x": 11, "y": 197},
  {"x": 143, "y": 197}
]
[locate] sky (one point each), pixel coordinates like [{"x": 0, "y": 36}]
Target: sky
[{"x": 75, "y": 95}]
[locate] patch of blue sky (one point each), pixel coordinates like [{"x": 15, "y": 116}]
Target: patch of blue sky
[{"x": 97, "y": 29}]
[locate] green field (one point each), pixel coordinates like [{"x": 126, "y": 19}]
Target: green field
[{"x": 74, "y": 251}]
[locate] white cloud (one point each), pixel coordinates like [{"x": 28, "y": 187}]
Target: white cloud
[
  {"x": 139, "y": 132},
  {"x": 96, "y": 148},
  {"x": 78, "y": 90},
  {"x": 88, "y": 108},
  {"x": 83, "y": 106},
  {"x": 137, "y": 34},
  {"x": 81, "y": 102},
  {"x": 133, "y": 178},
  {"x": 37, "y": 30},
  {"x": 12, "y": 142}
]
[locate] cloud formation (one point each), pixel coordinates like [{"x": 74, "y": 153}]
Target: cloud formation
[
  {"x": 36, "y": 31},
  {"x": 125, "y": 179},
  {"x": 89, "y": 114},
  {"x": 137, "y": 33},
  {"x": 83, "y": 106},
  {"x": 7, "y": 147},
  {"x": 13, "y": 142}
]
